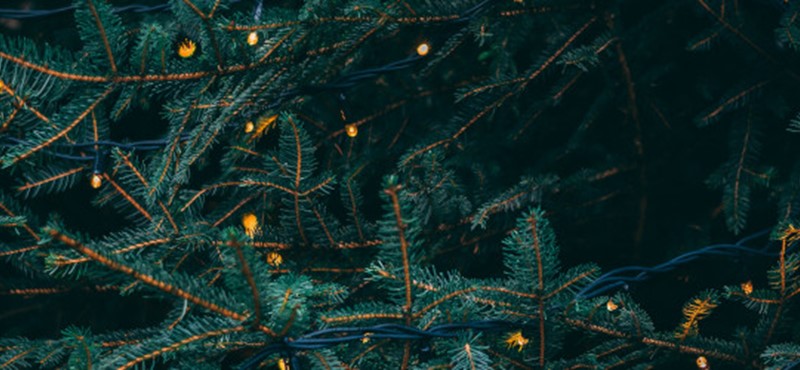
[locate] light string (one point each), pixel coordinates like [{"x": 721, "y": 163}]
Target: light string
[
  {"x": 344, "y": 82},
  {"x": 36, "y": 13},
  {"x": 606, "y": 283}
]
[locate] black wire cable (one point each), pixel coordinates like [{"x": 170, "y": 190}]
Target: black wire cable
[
  {"x": 344, "y": 82},
  {"x": 623, "y": 276},
  {"x": 36, "y": 13},
  {"x": 330, "y": 337},
  {"x": 607, "y": 282}
]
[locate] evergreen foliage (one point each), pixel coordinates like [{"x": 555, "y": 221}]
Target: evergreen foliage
[{"x": 386, "y": 172}]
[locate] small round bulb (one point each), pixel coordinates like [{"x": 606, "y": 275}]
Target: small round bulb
[
  {"x": 249, "y": 127},
  {"x": 423, "y": 49},
  {"x": 187, "y": 48},
  {"x": 747, "y": 287},
  {"x": 516, "y": 339},
  {"x": 96, "y": 181},
  {"x": 702, "y": 363},
  {"x": 274, "y": 259},
  {"x": 351, "y": 130},
  {"x": 611, "y": 306},
  {"x": 250, "y": 224},
  {"x": 252, "y": 38}
]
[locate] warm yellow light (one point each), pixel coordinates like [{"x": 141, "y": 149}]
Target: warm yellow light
[
  {"x": 747, "y": 287},
  {"x": 365, "y": 338},
  {"x": 516, "y": 339},
  {"x": 423, "y": 49},
  {"x": 351, "y": 130},
  {"x": 702, "y": 362},
  {"x": 2, "y": 86},
  {"x": 252, "y": 38},
  {"x": 249, "y": 127},
  {"x": 282, "y": 365},
  {"x": 611, "y": 306},
  {"x": 187, "y": 48},
  {"x": 274, "y": 259},
  {"x": 250, "y": 224},
  {"x": 96, "y": 181}
]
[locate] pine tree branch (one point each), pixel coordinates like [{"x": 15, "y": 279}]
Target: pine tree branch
[
  {"x": 177, "y": 345},
  {"x": 103, "y": 36},
  {"x": 392, "y": 192},
  {"x": 149, "y": 280}
]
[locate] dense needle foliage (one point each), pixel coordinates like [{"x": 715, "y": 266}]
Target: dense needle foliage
[{"x": 221, "y": 182}]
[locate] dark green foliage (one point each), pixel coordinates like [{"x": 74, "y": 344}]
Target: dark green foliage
[{"x": 533, "y": 137}]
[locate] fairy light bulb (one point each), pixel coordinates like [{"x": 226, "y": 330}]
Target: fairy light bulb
[
  {"x": 702, "y": 363},
  {"x": 423, "y": 49},
  {"x": 282, "y": 364},
  {"x": 611, "y": 306},
  {"x": 365, "y": 338},
  {"x": 96, "y": 181},
  {"x": 250, "y": 224},
  {"x": 187, "y": 48},
  {"x": 747, "y": 287},
  {"x": 249, "y": 127},
  {"x": 274, "y": 259},
  {"x": 516, "y": 339},
  {"x": 351, "y": 129},
  {"x": 252, "y": 38}
]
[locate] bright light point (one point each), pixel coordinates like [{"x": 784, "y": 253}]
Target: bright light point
[
  {"x": 423, "y": 49},
  {"x": 351, "y": 130},
  {"x": 702, "y": 363},
  {"x": 187, "y": 48},
  {"x": 250, "y": 224},
  {"x": 97, "y": 181},
  {"x": 274, "y": 259},
  {"x": 252, "y": 38}
]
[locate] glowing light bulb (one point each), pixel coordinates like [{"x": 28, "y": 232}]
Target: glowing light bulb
[
  {"x": 365, "y": 338},
  {"x": 274, "y": 259},
  {"x": 611, "y": 306},
  {"x": 252, "y": 38},
  {"x": 423, "y": 49},
  {"x": 516, "y": 339},
  {"x": 250, "y": 224},
  {"x": 351, "y": 130},
  {"x": 96, "y": 181},
  {"x": 187, "y": 48},
  {"x": 747, "y": 287},
  {"x": 702, "y": 363},
  {"x": 249, "y": 127}
]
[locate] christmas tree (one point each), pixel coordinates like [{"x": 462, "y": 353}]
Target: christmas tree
[{"x": 384, "y": 184}]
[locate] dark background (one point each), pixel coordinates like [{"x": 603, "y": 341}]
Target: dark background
[{"x": 683, "y": 213}]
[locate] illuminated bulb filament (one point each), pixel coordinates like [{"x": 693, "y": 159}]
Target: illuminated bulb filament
[
  {"x": 747, "y": 287},
  {"x": 187, "y": 48},
  {"x": 516, "y": 339},
  {"x": 252, "y": 38},
  {"x": 96, "y": 181},
  {"x": 274, "y": 259},
  {"x": 249, "y": 127},
  {"x": 351, "y": 130},
  {"x": 423, "y": 49},
  {"x": 702, "y": 363},
  {"x": 250, "y": 224}
]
